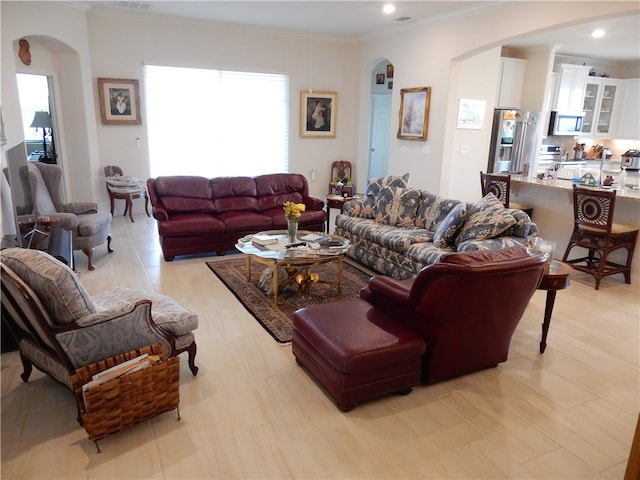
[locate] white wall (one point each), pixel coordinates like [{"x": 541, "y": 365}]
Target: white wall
[
  {"x": 87, "y": 46},
  {"x": 122, "y": 45},
  {"x": 433, "y": 55}
]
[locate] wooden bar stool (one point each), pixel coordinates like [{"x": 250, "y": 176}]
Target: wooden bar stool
[
  {"x": 500, "y": 186},
  {"x": 595, "y": 231}
]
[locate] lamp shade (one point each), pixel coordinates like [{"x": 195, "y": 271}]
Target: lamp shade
[{"x": 41, "y": 120}]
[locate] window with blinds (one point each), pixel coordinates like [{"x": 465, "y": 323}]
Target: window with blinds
[{"x": 216, "y": 123}]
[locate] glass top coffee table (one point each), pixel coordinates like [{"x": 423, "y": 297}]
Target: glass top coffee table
[{"x": 295, "y": 260}]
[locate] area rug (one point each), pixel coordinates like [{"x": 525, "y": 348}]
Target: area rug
[{"x": 277, "y": 320}]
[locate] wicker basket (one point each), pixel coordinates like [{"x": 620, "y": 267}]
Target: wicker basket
[{"x": 127, "y": 400}]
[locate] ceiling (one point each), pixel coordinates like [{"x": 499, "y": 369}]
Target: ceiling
[{"x": 358, "y": 18}]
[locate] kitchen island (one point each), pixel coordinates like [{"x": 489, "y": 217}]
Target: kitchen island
[{"x": 552, "y": 203}]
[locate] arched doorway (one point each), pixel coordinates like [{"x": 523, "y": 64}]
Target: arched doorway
[{"x": 380, "y": 120}]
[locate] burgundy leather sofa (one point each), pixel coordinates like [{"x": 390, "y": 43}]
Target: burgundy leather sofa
[
  {"x": 201, "y": 215},
  {"x": 455, "y": 317}
]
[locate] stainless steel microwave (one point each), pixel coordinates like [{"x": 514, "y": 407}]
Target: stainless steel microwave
[{"x": 565, "y": 123}]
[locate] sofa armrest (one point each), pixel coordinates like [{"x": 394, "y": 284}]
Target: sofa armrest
[
  {"x": 108, "y": 336},
  {"x": 159, "y": 213},
  {"x": 397, "y": 291},
  {"x": 312, "y": 203}
]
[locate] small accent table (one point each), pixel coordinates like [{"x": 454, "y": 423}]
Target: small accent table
[
  {"x": 554, "y": 279},
  {"x": 337, "y": 202}
]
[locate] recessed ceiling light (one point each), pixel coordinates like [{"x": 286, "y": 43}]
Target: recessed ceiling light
[
  {"x": 389, "y": 8},
  {"x": 598, "y": 33}
]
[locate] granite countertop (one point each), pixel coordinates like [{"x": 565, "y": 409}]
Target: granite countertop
[{"x": 631, "y": 193}]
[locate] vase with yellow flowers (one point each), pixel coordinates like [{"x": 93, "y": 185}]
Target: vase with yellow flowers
[{"x": 293, "y": 212}]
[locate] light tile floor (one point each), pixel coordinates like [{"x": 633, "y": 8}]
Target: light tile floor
[{"x": 253, "y": 413}]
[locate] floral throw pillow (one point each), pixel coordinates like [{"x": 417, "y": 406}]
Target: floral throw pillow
[
  {"x": 372, "y": 192},
  {"x": 397, "y": 206},
  {"x": 486, "y": 219},
  {"x": 448, "y": 228}
]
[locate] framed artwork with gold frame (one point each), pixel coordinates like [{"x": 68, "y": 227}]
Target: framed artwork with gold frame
[
  {"x": 119, "y": 101},
  {"x": 413, "y": 121},
  {"x": 318, "y": 112}
]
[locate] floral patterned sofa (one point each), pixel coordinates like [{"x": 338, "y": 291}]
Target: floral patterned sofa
[{"x": 397, "y": 230}]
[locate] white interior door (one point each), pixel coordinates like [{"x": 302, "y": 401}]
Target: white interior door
[{"x": 379, "y": 135}]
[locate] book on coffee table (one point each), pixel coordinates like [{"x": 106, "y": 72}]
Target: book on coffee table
[{"x": 264, "y": 240}]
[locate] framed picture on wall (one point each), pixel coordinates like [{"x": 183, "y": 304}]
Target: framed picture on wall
[
  {"x": 413, "y": 120},
  {"x": 470, "y": 114},
  {"x": 389, "y": 71},
  {"x": 119, "y": 101},
  {"x": 380, "y": 79},
  {"x": 318, "y": 113}
]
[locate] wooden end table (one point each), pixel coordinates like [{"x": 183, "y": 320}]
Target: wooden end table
[
  {"x": 337, "y": 202},
  {"x": 555, "y": 278}
]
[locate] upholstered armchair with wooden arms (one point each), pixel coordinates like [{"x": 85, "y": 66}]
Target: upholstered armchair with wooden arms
[
  {"x": 59, "y": 327},
  {"x": 42, "y": 184}
]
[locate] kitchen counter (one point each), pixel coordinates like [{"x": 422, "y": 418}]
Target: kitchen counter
[
  {"x": 552, "y": 203},
  {"x": 630, "y": 193}
]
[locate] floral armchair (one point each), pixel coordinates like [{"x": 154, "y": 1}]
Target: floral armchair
[{"x": 59, "y": 327}]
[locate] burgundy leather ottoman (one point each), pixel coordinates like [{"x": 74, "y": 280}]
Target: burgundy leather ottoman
[{"x": 356, "y": 352}]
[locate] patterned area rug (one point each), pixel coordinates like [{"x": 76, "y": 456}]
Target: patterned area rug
[{"x": 277, "y": 320}]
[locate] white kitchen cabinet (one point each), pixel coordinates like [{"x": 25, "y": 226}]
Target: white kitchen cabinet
[
  {"x": 601, "y": 107},
  {"x": 571, "y": 88},
  {"x": 629, "y": 110},
  {"x": 510, "y": 82}
]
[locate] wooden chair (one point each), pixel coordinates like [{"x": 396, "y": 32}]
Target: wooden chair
[
  {"x": 120, "y": 190},
  {"x": 500, "y": 186},
  {"x": 595, "y": 231},
  {"x": 340, "y": 169}
]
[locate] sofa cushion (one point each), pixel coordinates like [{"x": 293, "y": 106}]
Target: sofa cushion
[
  {"x": 522, "y": 227},
  {"x": 397, "y": 206},
  {"x": 191, "y": 224},
  {"x": 185, "y": 194},
  {"x": 167, "y": 313},
  {"x": 370, "y": 201},
  {"x": 56, "y": 285},
  {"x": 426, "y": 201},
  {"x": 234, "y": 194},
  {"x": 486, "y": 219},
  {"x": 485, "y": 256},
  {"x": 447, "y": 230},
  {"x": 437, "y": 211}
]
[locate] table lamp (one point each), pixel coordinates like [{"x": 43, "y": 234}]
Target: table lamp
[{"x": 43, "y": 120}]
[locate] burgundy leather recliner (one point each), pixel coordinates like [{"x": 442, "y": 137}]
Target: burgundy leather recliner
[{"x": 466, "y": 307}]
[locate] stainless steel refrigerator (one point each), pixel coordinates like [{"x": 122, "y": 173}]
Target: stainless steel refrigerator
[{"x": 514, "y": 138}]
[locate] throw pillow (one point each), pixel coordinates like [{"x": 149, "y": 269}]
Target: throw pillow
[
  {"x": 486, "y": 219},
  {"x": 397, "y": 206},
  {"x": 522, "y": 226},
  {"x": 372, "y": 191},
  {"x": 448, "y": 229},
  {"x": 440, "y": 207}
]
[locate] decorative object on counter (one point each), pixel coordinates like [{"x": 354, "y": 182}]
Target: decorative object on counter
[
  {"x": 578, "y": 151},
  {"x": 608, "y": 181},
  {"x": 588, "y": 180},
  {"x": 594, "y": 230}
]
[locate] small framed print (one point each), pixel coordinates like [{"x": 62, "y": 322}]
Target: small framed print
[
  {"x": 389, "y": 71},
  {"x": 471, "y": 114},
  {"x": 318, "y": 112},
  {"x": 119, "y": 101},
  {"x": 380, "y": 79}
]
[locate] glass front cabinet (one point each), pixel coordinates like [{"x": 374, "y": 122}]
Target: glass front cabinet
[{"x": 600, "y": 106}]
